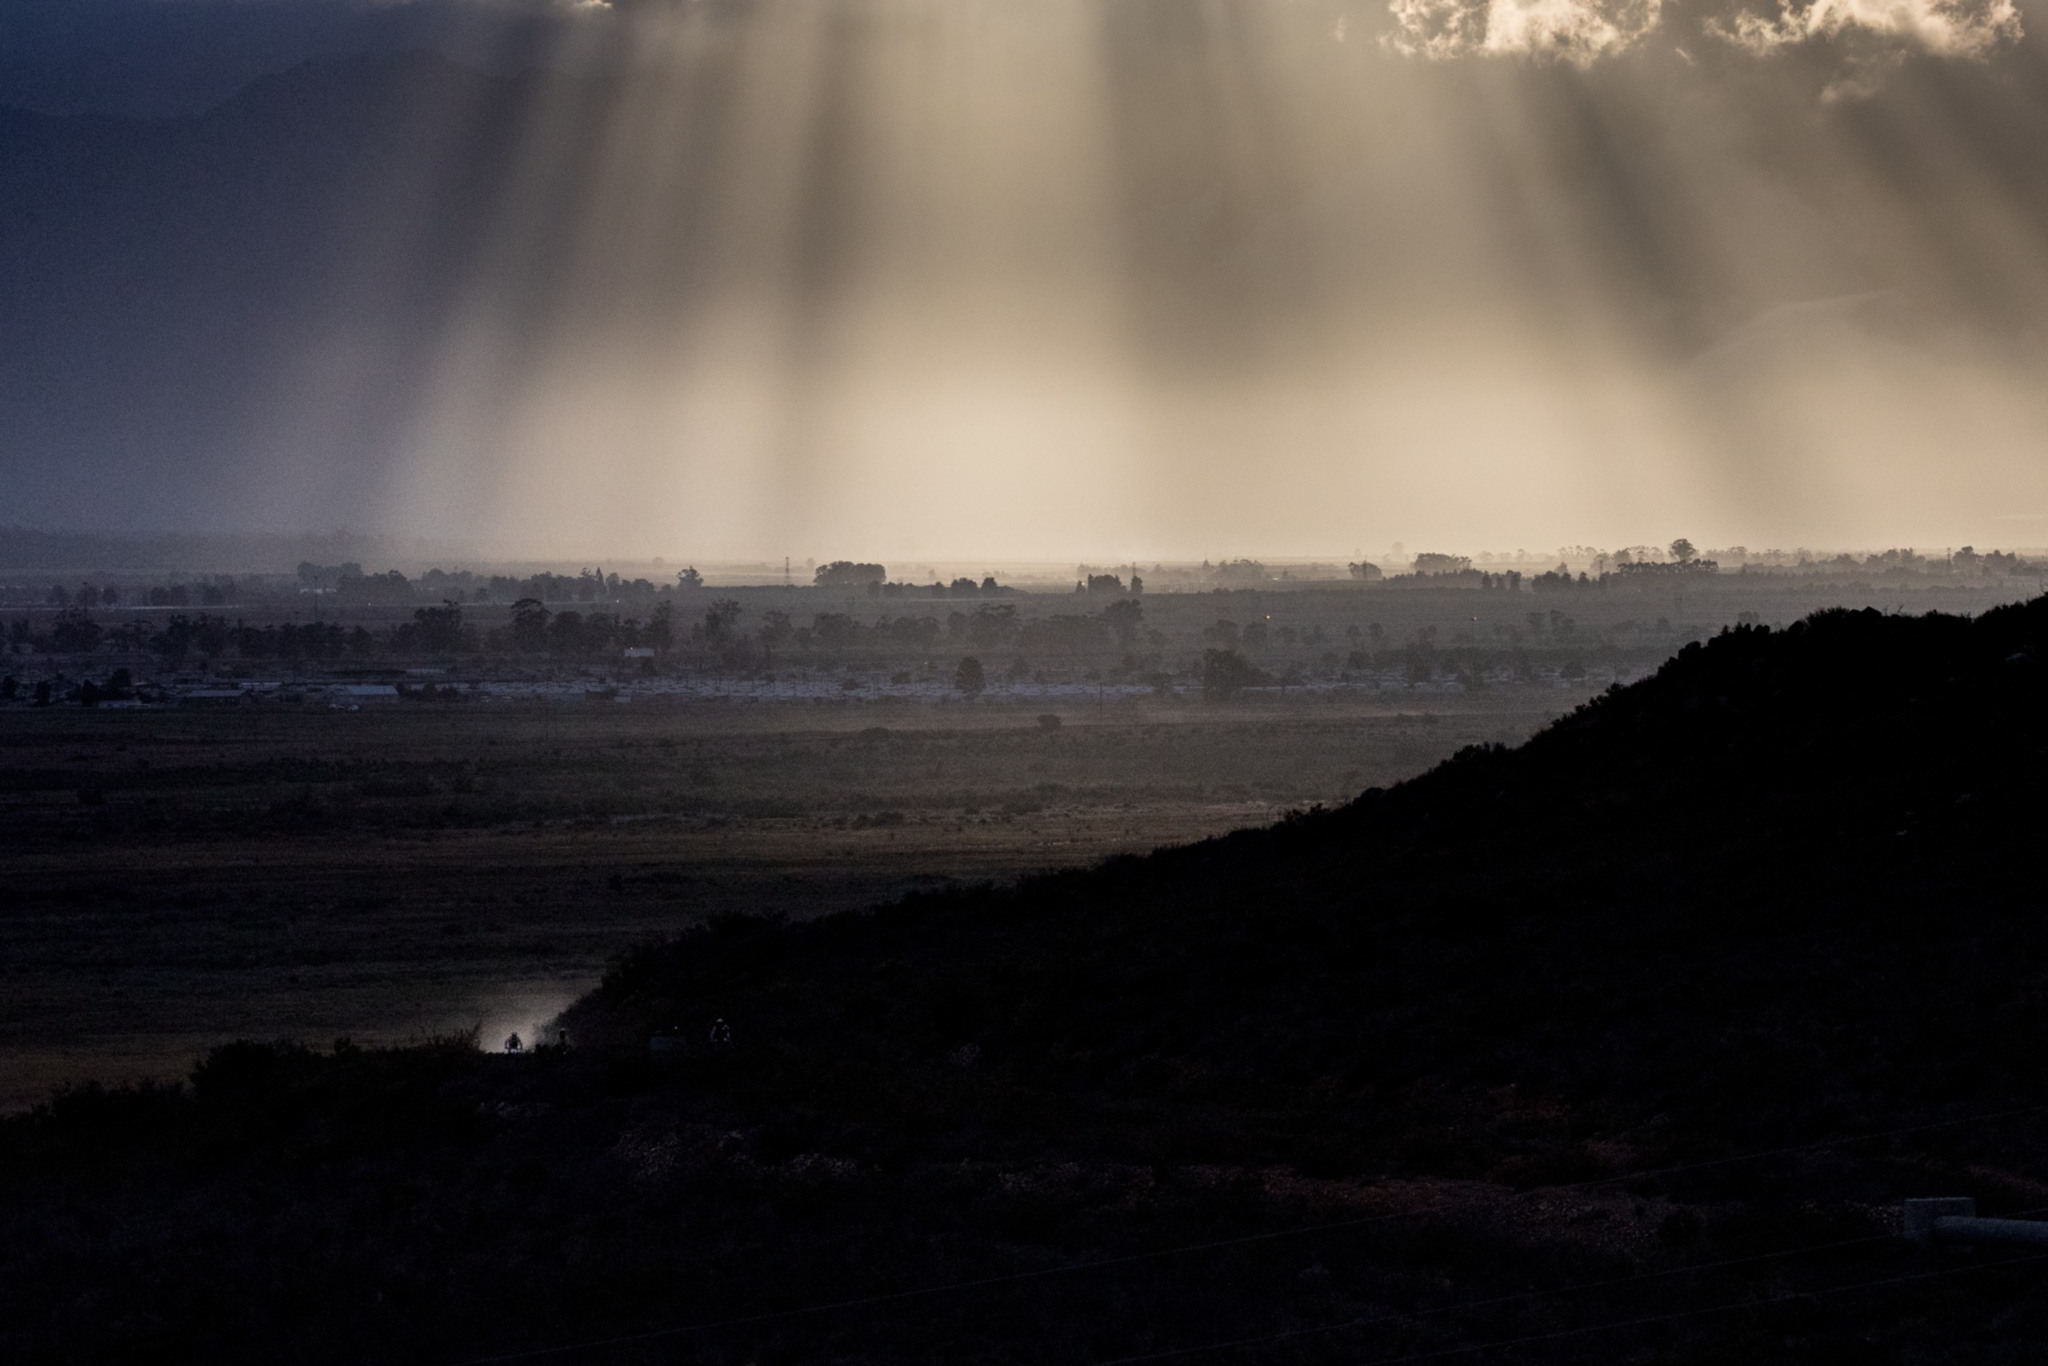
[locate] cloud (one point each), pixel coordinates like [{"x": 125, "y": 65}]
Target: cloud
[
  {"x": 1585, "y": 31},
  {"x": 154, "y": 58},
  {"x": 1576, "y": 31},
  {"x": 1948, "y": 28}
]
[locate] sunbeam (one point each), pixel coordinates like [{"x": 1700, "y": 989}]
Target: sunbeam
[{"x": 756, "y": 277}]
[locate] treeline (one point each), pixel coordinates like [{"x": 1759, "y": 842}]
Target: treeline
[
  {"x": 723, "y": 631},
  {"x": 723, "y": 635},
  {"x": 533, "y": 628},
  {"x": 217, "y": 593},
  {"x": 1560, "y": 579},
  {"x": 74, "y": 632},
  {"x": 349, "y": 582},
  {"x": 990, "y": 626}
]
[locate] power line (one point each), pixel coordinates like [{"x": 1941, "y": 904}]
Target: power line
[{"x": 985, "y": 1282}]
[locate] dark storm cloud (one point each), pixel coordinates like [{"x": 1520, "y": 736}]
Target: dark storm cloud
[{"x": 153, "y": 58}]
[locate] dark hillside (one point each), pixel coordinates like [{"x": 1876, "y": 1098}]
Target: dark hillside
[
  {"x": 1616, "y": 1046},
  {"x": 1787, "y": 884}
]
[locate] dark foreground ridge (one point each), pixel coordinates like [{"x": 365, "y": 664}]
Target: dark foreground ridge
[{"x": 1617, "y": 1045}]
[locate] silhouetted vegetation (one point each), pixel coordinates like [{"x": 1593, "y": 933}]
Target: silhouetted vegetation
[{"x": 1780, "y": 894}]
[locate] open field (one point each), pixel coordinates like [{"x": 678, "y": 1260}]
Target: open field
[
  {"x": 273, "y": 862},
  {"x": 180, "y": 878},
  {"x": 280, "y": 864}
]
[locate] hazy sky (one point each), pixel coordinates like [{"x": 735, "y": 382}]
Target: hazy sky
[{"x": 1092, "y": 278}]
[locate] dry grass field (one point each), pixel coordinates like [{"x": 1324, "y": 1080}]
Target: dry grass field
[{"x": 180, "y": 878}]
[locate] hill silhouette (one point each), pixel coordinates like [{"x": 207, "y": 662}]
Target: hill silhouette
[
  {"x": 1781, "y": 885},
  {"x": 1638, "y": 1027}
]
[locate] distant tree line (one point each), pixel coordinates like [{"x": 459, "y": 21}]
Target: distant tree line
[
  {"x": 215, "y": 594},
  {"x": 873, "y": 579},
  {"x": 350, "y": 583}
]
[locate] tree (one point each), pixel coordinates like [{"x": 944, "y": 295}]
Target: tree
[
  {"x": 1064, "y": 634},
  {"x": 529, "y": 625},
  {"x": 434, "y": 630},
  {"x": 565, "y": 632},
  {"x": 720, "y": 621},
  {"x": 661, "y": 630},
  {"x": 1123, "y": 617},
  {"x": 776, "y": 630},
  {"x": 1225, "y": 673},
  {"x": 834, "y": 630},
  {"x": 1682, "y": 551},
  {"x": 689, "y": 578},
  {"x": 174, "y": 641},
  {"x": 75, "y": 633},
  {"x": 848, "y": 574},
  {"x": 1240, "y": 572},
  {"x": 992, "y": 626},
  {"x": 969, "y": 678}
]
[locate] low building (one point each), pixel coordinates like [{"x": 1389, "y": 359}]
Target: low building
[
  {"x": 362, "y": 694},
  {"x": 214, "y": 697}
]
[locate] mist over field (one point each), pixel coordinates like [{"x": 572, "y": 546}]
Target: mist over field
[{"x": 753, "y": 278}]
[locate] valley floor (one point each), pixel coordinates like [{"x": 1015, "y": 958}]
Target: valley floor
[{"x": 181, "y": 879}]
